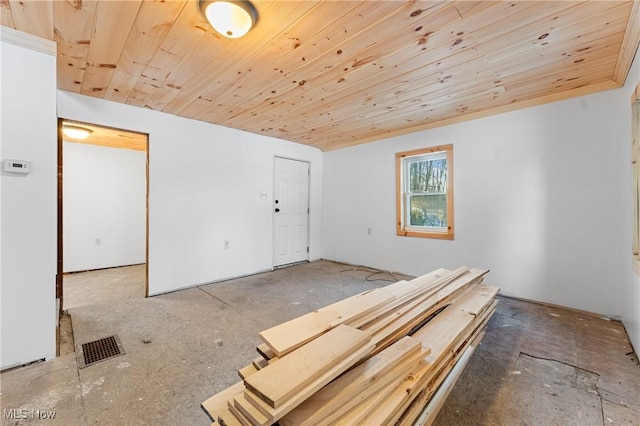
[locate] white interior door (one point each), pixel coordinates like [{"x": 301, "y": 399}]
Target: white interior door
[{"x": 291, "y": 211}]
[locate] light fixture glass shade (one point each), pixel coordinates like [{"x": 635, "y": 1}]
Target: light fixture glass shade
[
  {"x": 232, "y": 19},
  {"x": 76, "y": 132}
]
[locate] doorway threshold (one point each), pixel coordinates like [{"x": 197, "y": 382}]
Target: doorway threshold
[{"x": 290, "y": 264}]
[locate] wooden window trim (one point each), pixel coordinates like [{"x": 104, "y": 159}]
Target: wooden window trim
[
  {"x": 400, "y": 226},
  {"x": 635, "y": 103}
]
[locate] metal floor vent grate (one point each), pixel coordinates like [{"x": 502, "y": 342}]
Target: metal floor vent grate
[{"x": 99, "y": 350}]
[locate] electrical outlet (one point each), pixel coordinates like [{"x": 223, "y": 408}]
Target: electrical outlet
[
  {"x": 369, "y": 231},
  {"x": 227, "y": 244},
  {"x": 98, "y": 241}
]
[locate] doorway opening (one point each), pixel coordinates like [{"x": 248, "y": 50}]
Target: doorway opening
[{"x": 103, "y": 189}]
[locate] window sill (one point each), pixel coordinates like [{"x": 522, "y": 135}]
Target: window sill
[{"x": 435, "y": 235}]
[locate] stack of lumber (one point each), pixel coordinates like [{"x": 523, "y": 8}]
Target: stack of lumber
[{"x": 376, "y": 358}]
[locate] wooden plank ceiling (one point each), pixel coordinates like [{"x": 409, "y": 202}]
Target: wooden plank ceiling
[
  {"x": 331, "y": 74},
  {"x": 108, "y": 137}
]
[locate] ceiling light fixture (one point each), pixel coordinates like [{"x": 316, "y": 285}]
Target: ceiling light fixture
[
  {"x": 232, "y": 19},
  {"x": 76, "y": 132}
]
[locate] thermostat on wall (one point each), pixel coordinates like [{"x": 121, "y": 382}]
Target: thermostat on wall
[{"x": 16, "y": 166}]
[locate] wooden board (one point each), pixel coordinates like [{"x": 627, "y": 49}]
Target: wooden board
[
  {"x": 451, "y": 322},
  {"x": 404, "y": 391},
  {"x": 410, "y": 415},
  {"x": 630, "y": 41},
  {"x": 260, "y": 363},
  {"x": 239, "y": 416},
  {"x": 290, "y": 335},
  {"x": 356, "y": 415},
  {"x": 356, "y": 385},
  {"x": 152, "y": 23},
  {"x": 434, "y": 369},
  {"x": 403, "y": 292},
  {"x": 111, "y": 27},
  {"x": 437, "y": 401},
  {"x": 443, "y": 334},
  {"x": 341, "y": 377},
  {"x": 280, "y": 381},
  {"x": 74, "y": 23},
  {"x": 245, "y": 372},
  {"x": 249, "y": 411},
  {"x": 227, "y": 418},
  {"x": 274, "y": 414},
  {"x": 434, "y": 296},
  {"x": 478, "y": 302},
  {"x": 218, "y": 402},
  {"x": 265, "y": 351},
  {"x": 33, "y": 17},
  {"x": 408, "y": 319}
]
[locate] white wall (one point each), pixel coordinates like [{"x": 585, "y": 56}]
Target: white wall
[
  {"x": 631, "y": 283},
  {"x": 104, "y": 193},
  {"x": 28, "y": 206},
  {"x": 542, "y": 198},
  {"x": 205, "y": 183}
]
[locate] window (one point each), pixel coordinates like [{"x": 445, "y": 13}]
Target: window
[{"x": 424, "y": 192}]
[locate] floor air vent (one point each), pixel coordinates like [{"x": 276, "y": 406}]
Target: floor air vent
[{"x": 99, "y": 350}]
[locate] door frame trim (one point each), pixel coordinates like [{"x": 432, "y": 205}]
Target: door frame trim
[{"x": 60, "y": 236}]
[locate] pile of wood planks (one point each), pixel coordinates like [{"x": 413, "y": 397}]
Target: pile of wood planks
[{"x": 377, "y": 358}]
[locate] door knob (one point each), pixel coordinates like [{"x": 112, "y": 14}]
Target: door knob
[{"x": 277, "y": 210}]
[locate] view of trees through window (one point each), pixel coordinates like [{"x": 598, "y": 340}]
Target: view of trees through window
[{"x": 427, "y": 196}]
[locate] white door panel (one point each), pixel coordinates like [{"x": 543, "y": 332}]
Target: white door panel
[{"x": 291, "y": 211}]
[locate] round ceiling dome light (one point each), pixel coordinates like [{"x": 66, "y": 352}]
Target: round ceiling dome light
[
  {"x": 232, "y": 19},
  {"x": 76, "y": 132}
]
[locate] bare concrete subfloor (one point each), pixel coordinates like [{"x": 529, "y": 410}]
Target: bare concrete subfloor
[
  {"x": 536, "y": 365},
  {"x": 104, "y": 286}
]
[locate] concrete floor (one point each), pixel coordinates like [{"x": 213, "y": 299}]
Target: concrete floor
[
  {"x": 536, "y": 365},
  {"x": 104, "y": 286},
  {"x": 547, "y": 366}
]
